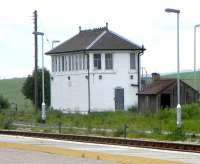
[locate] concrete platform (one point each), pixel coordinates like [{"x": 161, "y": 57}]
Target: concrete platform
[{"x": 98, "y": 152}]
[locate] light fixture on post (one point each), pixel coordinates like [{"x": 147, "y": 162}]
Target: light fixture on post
[
  {"x": 178, "y": 108},
  {"x": 43, "y": 102},
  {"x": 195, "y": 76},
  {"x": 54, "y": 41}
]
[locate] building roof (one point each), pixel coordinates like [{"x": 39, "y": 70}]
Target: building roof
[
  {"x": 95, "y": 39},
  {"x": 157, "y": 87}
]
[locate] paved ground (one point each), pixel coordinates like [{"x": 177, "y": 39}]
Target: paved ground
[
  {"x": 121, "y": 154},
  {"x": 16, "y": 156}
]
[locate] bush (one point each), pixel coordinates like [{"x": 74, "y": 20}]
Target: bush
[
  {"x": 4, "y": 103},
  {"x": 132, "y": 109},
  {"x": 177, "y": 134}
]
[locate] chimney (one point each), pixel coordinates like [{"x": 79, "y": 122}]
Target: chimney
[
  {"x": 79, "y": 28},
  {"x": 107, "y": 25},
  {"x": 155, "y": 76}
]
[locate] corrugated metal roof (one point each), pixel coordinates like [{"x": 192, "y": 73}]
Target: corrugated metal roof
[
  {"x": 157, "y": 87},
  {"x": 96, "y": 39}
]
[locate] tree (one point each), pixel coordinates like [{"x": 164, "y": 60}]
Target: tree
[{"x": 28, "y": 87}]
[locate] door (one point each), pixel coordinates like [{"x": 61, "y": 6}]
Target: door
[
  {"x": 119, "y": 99},
  {"x": 165, "y": 101}
]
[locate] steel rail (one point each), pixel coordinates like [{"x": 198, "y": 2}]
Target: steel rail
[{"x": 164, "y": 145}]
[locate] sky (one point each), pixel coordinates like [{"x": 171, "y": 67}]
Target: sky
[{"x": 141, "y": 21}]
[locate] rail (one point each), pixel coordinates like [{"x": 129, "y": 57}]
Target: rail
[{"x": 165, "y": 145}]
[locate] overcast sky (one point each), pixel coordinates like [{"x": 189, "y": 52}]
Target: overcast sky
[{"x": 141, "y": 21}]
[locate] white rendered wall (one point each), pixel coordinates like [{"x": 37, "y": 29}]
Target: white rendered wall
[{"x": 72, "y": 95}]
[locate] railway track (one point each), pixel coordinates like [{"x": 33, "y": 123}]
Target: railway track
[{"x": 112, "y": 141}]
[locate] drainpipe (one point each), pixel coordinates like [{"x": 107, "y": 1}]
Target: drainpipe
[
  {"x": 139, "y": 78},
  {"x": 88, "y": 74}
]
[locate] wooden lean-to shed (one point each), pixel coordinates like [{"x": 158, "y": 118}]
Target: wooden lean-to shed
[{"x": 162, "y": 93}]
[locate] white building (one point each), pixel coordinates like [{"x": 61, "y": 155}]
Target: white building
[{"x": 108, "y": 83}]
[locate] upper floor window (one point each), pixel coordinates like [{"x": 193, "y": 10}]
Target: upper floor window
[
  {"x": 53, "y": 64},
  {"x": 108, "y": 61},
  {"x": 69, "y": 63},
  {"x": 97, "y": 61},
  {"x": 132, "y": 61},
  {"x": 63, "y": 63}
]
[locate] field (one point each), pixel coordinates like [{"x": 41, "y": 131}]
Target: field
[
  {"x": 11, "y": 89},
  {"x": 187, "y": 77}
]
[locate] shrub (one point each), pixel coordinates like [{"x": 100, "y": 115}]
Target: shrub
[
  {"x": 177, "y": 134},
  {"x": 119, "y": 132},
  {"x": 4, "y": 103},
  {"x": 132, "y": 109}
]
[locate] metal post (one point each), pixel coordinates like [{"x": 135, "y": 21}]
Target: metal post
[
  {"x": 178, "y": 122},
  {"x": 36, "y": 62},
  {"x": 88, "y": 68},
  {"x": 195, "y": 75},
  {"x": 195, "y": 57},
  {"x": 43, "y": 101},
  {"x": 178, "y": 108},
  {"x": 54, "y": 41}
]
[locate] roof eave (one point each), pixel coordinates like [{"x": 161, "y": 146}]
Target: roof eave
[{"x": 82, "y": 50}]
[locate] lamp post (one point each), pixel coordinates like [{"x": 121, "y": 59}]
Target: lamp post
[
  {"x": 54, "y": 41},
  {"x": 178, "y": 108},
  {"x": 43, "y": 103},
  {"x": 195, "y": 76}
]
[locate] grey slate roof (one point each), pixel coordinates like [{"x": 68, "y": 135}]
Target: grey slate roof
[
  {"x": 159, "y": 86},
  {"x": 96, "y": 39}
]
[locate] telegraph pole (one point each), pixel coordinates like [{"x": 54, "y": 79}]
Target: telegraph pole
[{"x": 36, "y": 61}]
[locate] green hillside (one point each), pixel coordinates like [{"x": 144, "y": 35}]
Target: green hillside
[
  {"x": 187, "y": 77},
  {"x": 11, "y": 89}
]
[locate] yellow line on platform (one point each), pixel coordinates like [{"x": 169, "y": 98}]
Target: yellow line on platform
[{"x": 86, "y": 154}]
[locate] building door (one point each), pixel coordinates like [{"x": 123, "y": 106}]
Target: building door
[
  {"x": 165, "y": 101},
  {"x": 119, "y": 99}
]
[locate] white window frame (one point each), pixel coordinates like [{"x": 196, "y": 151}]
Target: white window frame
[
  {"x": 98, "y": 60},
  {"x": 109, "y": 61},
  {"x": 133, "y": 64},
  {"x": 63, "y": 64},
  {"x": 70, "y": 62}
]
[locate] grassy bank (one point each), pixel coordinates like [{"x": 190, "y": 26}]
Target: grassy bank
[
  {"x": 11, "y": 89},
  {"x": 159, "y": 126}
]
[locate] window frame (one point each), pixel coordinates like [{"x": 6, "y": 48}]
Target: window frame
[
  {"x": 133, "y": 64},
  {"x": 97, "y": 61},
  {"x": 109, "y": 61}
]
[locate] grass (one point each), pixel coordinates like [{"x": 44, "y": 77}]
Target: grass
[
  {"x": 112, "y": 123},
  {"x": 11, "y": 89},
  {"x": 104, "y": 123}
]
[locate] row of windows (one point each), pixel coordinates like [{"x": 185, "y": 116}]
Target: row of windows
[
  {"x": 69, "y": 63},
  {"x": 79, "y": 62}
]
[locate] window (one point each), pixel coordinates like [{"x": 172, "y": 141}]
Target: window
[
  {"x": 52, "y": 64},
  {"x": 80, "y": 62},
  {"x": 59, "y": 63},
  {"x": 66, "y": 63},
  {"x": 108, "y": 61},
  {"x": 63, "y": 63},
  {"x": 76, "y": 62},
  {"x": 70, "y": 63},
  {"x": 56, "y": 63},
  {"x": 132, "y": 61},
  {"x": 97, "y": 61},
  {"x": 73, "y": 62}
]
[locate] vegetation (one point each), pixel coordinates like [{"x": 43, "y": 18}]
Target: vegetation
[
  {"x": 11, "y": 90},
  {"x": 4, "y": 104},
  {"x": 187, "y": 77},
  {"x": 28, "y": 87},
  {"x": 161, "y": 125}
]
